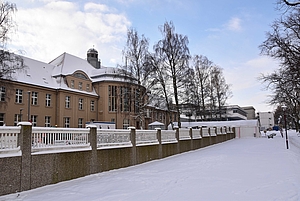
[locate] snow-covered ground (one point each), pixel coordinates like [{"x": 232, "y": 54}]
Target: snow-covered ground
[{"x": 259, "y": 169}]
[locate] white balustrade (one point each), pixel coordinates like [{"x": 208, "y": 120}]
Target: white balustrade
[
  {"x": 9, "y": 137},
  {"x": 205, "y": 132},
  {"x": 59, "y": 137},
  {"x": 196, "y": 133},
  {"x": 168, "y": 136},
  {"x": 113, "y": 137},
  {"x": 184, "y": 134},
  {"x": 146, "y": 137}
]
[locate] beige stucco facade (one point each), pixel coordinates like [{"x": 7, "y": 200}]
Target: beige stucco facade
[{"x": 68, "y": 92}]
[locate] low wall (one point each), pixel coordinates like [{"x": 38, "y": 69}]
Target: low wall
[{"x": 31, "y": 170}]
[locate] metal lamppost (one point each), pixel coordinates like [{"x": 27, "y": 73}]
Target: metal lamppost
[{"x": 286, "y": 136}]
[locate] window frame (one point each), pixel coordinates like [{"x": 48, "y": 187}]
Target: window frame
[{"x": 19, "y": 96}]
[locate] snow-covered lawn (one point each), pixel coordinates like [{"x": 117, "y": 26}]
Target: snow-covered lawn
[{"x": 241, "y": 169}]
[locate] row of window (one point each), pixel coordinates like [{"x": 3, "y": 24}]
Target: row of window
[
  {"x": 66, "y": 121},
  {"x": 18, "y": 118},
  {"x": 123, "y": 97},
  {"x": 80, "y": 85},
  {"x": 34, "y": 99},
  {"x": 33, "y": 95},
  {"x": 80, "y": 103}
]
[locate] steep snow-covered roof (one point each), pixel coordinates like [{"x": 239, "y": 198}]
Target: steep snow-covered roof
[
  {"x": 67, "y": 64},
  {"x": 36, "y": 73},
  {"x": 52, "y": 74}
]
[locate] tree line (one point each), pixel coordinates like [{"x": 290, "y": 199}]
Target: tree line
[
  {"x": 174, "y": 79},
  {"x": 283, "y": 44}
]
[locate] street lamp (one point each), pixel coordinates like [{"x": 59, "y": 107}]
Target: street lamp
[{"x": 286, "y": 136}]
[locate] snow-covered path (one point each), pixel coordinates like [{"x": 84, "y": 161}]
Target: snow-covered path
[{"x": 240, "y": 169}]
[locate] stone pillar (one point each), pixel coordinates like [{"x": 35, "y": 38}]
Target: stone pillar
[
  {"x": 191, "y": 136},
  {"x": 93, "y": 143},
  {"x": 201, "y": 135},
  {"x": 158, "y": 136},
  {"x": 25, "y": 142},
  {"x": 133, "y": 142},
  {"x": 177, "y": 138},
  {"x": 234, "y": 132}
]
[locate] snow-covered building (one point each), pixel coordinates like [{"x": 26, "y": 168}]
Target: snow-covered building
[
  {"x": 228, "y": 113},
  {"x": 266, "y": 120},
  {"x": 70, "y": 91}
]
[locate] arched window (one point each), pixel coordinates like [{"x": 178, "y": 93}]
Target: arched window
[{"x": 81, "y": 76}]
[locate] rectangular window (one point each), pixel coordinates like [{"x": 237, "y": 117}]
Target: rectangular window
[
  {"x": 80, "y": 86},
  {"x": 125, "y": 99},
  {"x": 80, "y": 120},
  {"x": 125, "y": 123},
  {"x": 47, "y": 121},
  {"x": 34, "y": 98},
  {"x": 34, "y": 120},
  {"x": 67, "y": 122},
  {"x": 136, "y": 100},
  {"x": 92, "y": 105},
  {"x": 17, "y": 119},
  {"x": 1, "y": 119},
  {"x": 72, "y": 84},
  {"x": 112, "y": 98},
  {"x": 19, "y": 96},
  {"x": 48, "y": 100},
  {"x": 67, "y": 102},
  {"x": 80, "y": 106},
  {"x": 87, "y": 87},
  {"x": 2, "y": 93}
]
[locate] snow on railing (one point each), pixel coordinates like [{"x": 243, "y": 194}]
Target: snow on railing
[
  {"x": 184, "y": 134},
  {"x": 113, "y": 137},
  {"x": 168, "y": 136},
  {"x": 9, "y": 137},
  {"x": 45, "y": 138},
  {"x": 146, "y": 137}
]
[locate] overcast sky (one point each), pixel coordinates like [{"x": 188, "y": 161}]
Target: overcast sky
[{"x": 228, "y": 32}]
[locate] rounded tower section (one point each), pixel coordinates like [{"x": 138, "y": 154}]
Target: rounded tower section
[{"x": 92, "y": 58}]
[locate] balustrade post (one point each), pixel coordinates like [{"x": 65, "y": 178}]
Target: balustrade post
[
  {"x": 191, "y": 136},
  {"x": 177, "y": 138},
  {"x": 158, "y": 136},
  {"x": 234, "y": 132},
  {"x": 201, "y": 135},
  {"x": 133, "y": 142},
  {"x": 93, "y": 143},
  {"x": 25, "y": 143}
]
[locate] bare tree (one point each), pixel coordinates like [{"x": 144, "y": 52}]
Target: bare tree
[
  {"x": 291, "y": 3},
  {"x": 9, "y": 62},
  {"x": 283, "y": 44},
  {"x": 161, "y": 89},
  {"x": 135, "y": 55},
  {"x": 202, "y": 66},
  {"x": 173, "y": 54},
  {"x": 221, "y": 90}
]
